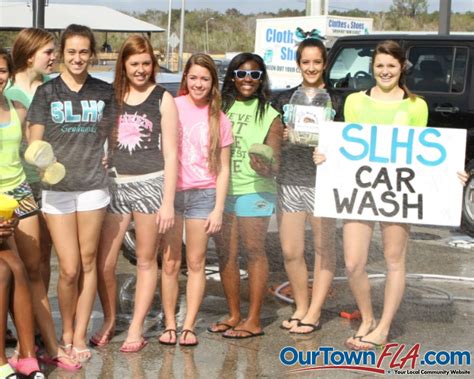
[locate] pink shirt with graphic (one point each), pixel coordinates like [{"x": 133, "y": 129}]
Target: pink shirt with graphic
[{"x": 193, "y": 171}]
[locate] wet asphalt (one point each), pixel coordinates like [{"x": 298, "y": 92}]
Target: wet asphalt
[{"x": 436, "y": 312}]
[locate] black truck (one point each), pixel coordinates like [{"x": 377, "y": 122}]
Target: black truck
[{"x": 442, "y": 72}]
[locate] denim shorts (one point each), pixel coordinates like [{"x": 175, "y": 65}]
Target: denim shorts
[
  {"x": 195, "y": 203},
  {"x": 260, "y": 204}
]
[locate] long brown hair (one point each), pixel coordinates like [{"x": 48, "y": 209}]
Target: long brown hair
[
  {"x": 214, "y": 98},
  {"x": 394, "y": 49},
  {"x": 26, "y": 44},
  {"x": 135, "y": 44}
]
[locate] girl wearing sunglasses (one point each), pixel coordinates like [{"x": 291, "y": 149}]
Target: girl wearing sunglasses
[
  {"x": 251, "y": 196},
  {"x": 205, "y": 136},
  {"x": 296, "y": 193}
]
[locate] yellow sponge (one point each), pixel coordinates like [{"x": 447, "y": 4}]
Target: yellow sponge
[
  {"x": 53, "y": 174},
  {"x": 265, "y": 152},
  {"x": 40, "y": 154}
]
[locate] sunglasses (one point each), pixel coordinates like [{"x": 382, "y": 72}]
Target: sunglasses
[{"x": 242, "y": 74}]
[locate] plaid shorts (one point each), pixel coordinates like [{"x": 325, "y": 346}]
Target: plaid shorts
[{"x": 27, "y": 204}]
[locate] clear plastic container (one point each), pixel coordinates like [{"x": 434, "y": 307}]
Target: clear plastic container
[{"x": 308, "y": 108}]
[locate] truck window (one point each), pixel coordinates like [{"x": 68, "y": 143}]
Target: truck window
[
  {"x": 352, "y": 68},
  {"x": 437, "y": 69}
]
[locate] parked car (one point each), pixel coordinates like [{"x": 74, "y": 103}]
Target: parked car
[{"x": 442, "y": 72}]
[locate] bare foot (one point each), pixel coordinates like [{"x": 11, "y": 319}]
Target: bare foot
[{"x": 223, "y": 326}]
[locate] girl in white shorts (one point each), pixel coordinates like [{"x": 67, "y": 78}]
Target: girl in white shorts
[{"x": 68, "y": 112}]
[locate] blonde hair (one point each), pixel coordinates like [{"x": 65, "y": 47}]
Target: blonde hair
[
  {"x": 26, "y": 44},
  {"x": 214, "y": 101}
]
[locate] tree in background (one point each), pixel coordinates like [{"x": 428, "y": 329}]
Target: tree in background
[{"x": 409, "y": 8}]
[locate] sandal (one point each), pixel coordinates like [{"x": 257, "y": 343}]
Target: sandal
[
  {"x": 184, "y": 335},
  {"x": 169, "y": 342},
  {"x": 290, "y": 320},
  {"x": 58, "y": 361},
  {"x": 101, "y": 340}
]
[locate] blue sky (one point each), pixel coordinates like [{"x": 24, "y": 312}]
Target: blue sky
[{"x": 252, "y": 6}]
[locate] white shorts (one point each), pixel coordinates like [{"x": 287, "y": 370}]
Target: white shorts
[{"x": 60, "y": 203}]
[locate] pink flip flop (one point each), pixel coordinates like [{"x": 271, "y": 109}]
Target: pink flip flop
[
  {"x": 133, "y": 347},
  {"x": 56, "y": 361}
]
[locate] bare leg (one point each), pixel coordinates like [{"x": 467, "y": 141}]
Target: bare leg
[
  {"x": 112, "y": 234},
  {"x": 21, "y": 303},
  {"x": 227, "y": 244},
  {"x": 45, "y": 247},
  {"x": 357, "y": 236},
  {"x": 324, "y": 230},
  {"x": 27, "y": 240},
  {"x": 6, "y": 277},
  {"x": 292, "y": 244},
  {"x": 89, "y": 225},
  {"x": 253, "y": 231},
  {"x": 395, "y": 239},
  {"x": 196, "y": 248},
  {"x": 63, "y": 229},
  {"x": 147, "y": 272},
  {"x": 171, "y": 264}
]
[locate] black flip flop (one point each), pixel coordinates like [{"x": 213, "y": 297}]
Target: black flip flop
[
  {"x": 227, "y": 327},
  {"x": 290, "y": 320},
  {"x": 249, "y": 334},
  {"x": 314, "y": 327},
  {"x": 373, "y": 345},
  {"x": 169, "y": 343},
  {"x": 185, "y": 332}
]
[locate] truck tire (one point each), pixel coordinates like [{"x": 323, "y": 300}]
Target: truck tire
[{"x": 467, "y": 222}]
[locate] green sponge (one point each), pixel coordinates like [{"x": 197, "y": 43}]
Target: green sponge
[{"x": 265, "y": 152}]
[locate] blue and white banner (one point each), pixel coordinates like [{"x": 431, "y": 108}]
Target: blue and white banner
[{"x": 390, "y": 173}]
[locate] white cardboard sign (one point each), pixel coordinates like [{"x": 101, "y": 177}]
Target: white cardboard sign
[{"x": 390, "y": 173}]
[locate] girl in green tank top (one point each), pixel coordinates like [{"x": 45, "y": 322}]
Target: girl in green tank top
[{"x": 252, "y": 185}]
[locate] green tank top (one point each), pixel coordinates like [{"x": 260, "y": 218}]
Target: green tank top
[
  {"x": 248, "y": 130},
  {"x": 11, "y": 170}
]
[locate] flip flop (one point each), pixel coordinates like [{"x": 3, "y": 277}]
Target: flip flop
[
  {"x": 170, "y": 332},
  {"x": 291, "y": 319},
  {"x": 217, "y": 324},
  {"x": 80, "y": 351},
  {"x": 373, "y": 346},
  {"x": 249, "y": 334},
  {"x": 314, "y": 327},
  {"x": 56, "y": 361},
  {"x": 184, "y": 333},
  {"x": 133, "y": 347},
  {"x": 101, "y": 340}
]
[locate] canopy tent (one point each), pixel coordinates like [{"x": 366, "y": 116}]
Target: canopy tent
[{"x": 18, "y": 15}]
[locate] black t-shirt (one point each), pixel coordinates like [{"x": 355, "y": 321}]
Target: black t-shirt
[
  {"x": 297, "y": 166},
  {"x": 138, "y": 137},
  {"x": 76, "y": 125}
]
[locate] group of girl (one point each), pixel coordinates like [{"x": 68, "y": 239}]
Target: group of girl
[{"x": 174, "y": 164}]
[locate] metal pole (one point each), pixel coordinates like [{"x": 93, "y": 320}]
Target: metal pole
[
  {"x": 168, "y": 36},
  {"x": 444, "y": 17},
  {"x": 181, "y": 37},
  {"x": 38, "y": 13},
  {"x": 207, "y": 34},
  {"x": 326, "y": 7},
  {"x": 207, "y": 37}
]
